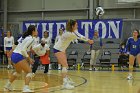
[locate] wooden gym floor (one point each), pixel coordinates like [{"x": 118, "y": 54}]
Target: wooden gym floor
[{"x": 86, "y": 82}]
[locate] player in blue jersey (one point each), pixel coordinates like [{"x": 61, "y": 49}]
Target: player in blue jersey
[{"x": 133, "y": 47}]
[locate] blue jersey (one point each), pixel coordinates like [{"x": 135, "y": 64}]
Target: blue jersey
[
  {"x": 123, "y": 50},
  {"x": 133, "y": 46}
]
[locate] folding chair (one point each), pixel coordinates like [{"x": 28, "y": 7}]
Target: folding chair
[
  {"x": 123, "y": 61},
  {"x": 105, "y": 60},
  {"x": 86, "y": 59},
  {"x": 72, "y": 59}
]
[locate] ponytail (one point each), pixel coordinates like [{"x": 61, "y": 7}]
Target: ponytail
[
  {"x": 24, "y": 34},
  {"x": 69, "y": 25}
]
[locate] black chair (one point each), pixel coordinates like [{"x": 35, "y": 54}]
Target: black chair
[
  {"x": 86, "y": 59},
  {"x": 72, "y": 59},
  {"x": 123, "y": 60},
  {"x": 105, "y": 59}
]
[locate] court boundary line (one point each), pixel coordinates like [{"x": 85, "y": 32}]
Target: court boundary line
[{"x": 84, "y": 82}]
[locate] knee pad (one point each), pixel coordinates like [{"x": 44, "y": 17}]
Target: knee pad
[
  {"x": 16, "y": 74},
  {"x": 64, "y": 70},
  {"x": 30, "y": 75}
]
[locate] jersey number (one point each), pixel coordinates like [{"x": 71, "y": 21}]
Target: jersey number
[{"x": 134, "y": 46}]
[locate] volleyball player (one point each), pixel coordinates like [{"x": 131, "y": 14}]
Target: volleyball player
[
  {"x": 8, "y": 43},
  {"x": 61, "y": 46},
  {"x": 20, "y": 59},
  {"x": 133, "y": 46},
  {"x": 56, "y": 39}
]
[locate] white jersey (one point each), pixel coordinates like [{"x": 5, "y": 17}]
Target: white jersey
[
  {"x": 20, "y": 40},
  {"x": 39, "y": 50},
  {"x": 47, "y": 40},
  {"x": 37, "y": 40},
  {"x": 66, "y": 39},
  {"x": 57, "y": 38},
  {"x": 24, "y": 45},
  {"x": 8, "y": 42},
  {"x": 75, "y": 41}
]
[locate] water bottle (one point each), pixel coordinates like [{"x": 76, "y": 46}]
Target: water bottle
[
  {"x": 113, "y": 67},
  {"x": 78, "y": 66}
]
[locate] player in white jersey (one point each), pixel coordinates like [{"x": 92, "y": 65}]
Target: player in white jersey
[
  {"x": 40, "y": 50},
  {"x": 56, "y": 40},
  {"x": 20, "y": 59},
  {"x": 61, "y": 46},
  {"x": 8, "y": 43},
  {"x": 47, "y": 38}
]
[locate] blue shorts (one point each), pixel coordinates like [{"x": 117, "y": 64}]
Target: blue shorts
[
  {"x": 55, "y": 50},
  {"x": 134, "y": 54},
  {"x": 8, "y": 48},
  {"x": 16, "y": 57}
]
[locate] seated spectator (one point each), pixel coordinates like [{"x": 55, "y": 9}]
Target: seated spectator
[{"x": 123, "y": 57}]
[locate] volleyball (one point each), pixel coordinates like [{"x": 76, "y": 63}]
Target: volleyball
[{"x": 99, "y": 11}]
